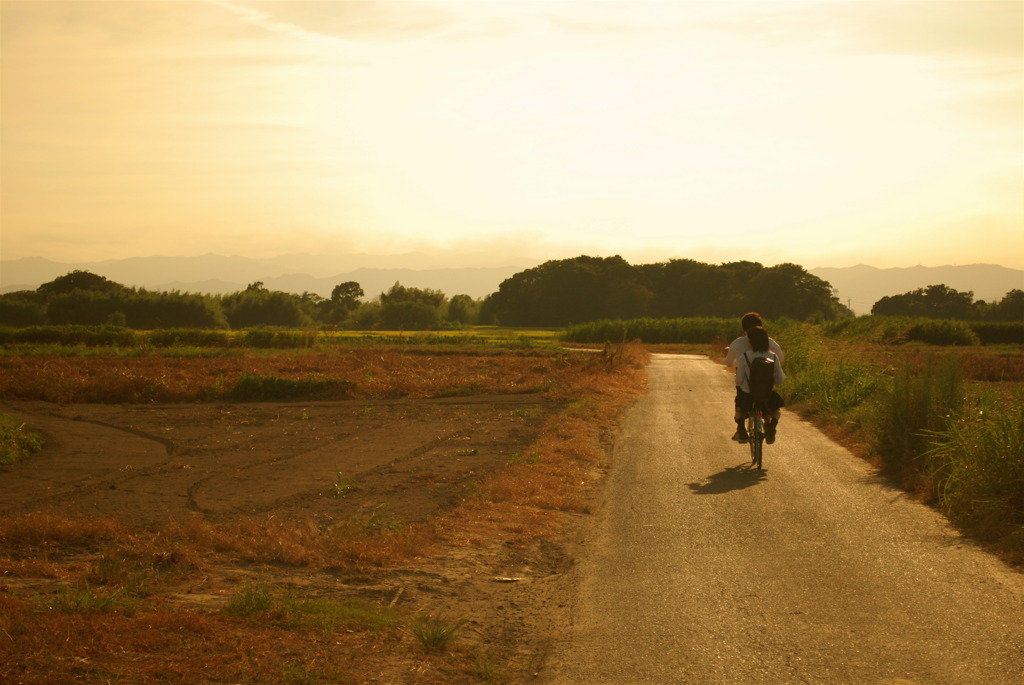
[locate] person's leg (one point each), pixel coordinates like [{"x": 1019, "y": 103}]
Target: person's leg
[
  {"x": 775, "y": 406},
  {"x": 743, "y": 405}
]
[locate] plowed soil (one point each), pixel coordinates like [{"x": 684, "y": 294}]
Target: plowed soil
[
  {"x": 404, "y": 460},
  {"x": 150, "y": 464}
]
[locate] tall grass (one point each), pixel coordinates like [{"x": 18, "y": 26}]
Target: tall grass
[
  {"x": 653, "y": 331},
  {"x": 977, "y": 468},
  {"x": 946, "y": 439},
  {"x": 918, "y": 402}
]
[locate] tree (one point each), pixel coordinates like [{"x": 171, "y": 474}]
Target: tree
[
  {"x": 415, "y": 309},
  {"x": 576, "y": 290},
  {"x": 257, "y": 306},
  {"x": 78, "y": 280},
  {"x": 400, "y": 293},
  {"x": 1010, "y": 308},
  {"x": 789, "y": 290},
  {"x": 583, "y": 289},
  {"x": 462, "y": 309},
  {"x": 23, "y": 308},
  {"x": 935, "y": 301},
  {"x": 343, "y": 301},
  {"x": 408, "y": 315},
  {"x": 345, "y": 296}
]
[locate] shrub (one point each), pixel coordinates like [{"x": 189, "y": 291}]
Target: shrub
[
  {"x": 277, "y": 338},
  {"x": 999, "y": 332},
  {"x": 16, "y": 442},
  {"x": 193, "y": 337},
  {"x": 89, "y": 336},
  {"x": 943, "y": 332}
]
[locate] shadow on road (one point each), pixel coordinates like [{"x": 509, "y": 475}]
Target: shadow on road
[{"x": 732, "y": 478}]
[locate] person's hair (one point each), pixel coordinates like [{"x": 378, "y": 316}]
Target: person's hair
[
  {"x": 751, "y": 319},
  {"x": 758, "y": 338}
]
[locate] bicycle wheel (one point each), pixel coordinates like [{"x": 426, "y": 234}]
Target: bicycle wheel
[
  {"x": 751, "y": 428},
  {"x": 757, "y": 442}
]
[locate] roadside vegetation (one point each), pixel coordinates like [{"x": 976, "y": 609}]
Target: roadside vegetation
[{"x": 943, "y": 419}]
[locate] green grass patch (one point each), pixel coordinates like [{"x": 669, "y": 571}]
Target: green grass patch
[
  {"x": 15, "y": 441},
  {"x": 435, "y": 634},
  {"x": 325, "y": 615},
  {"x": 84, "y": 598},
  {"x": 251, "y": 600}
]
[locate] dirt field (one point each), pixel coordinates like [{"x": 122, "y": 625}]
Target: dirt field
[
  {"x": 387, "y": 461},
  {"x": 150, "y": 464},
  {"x": 437, "y": 489}
]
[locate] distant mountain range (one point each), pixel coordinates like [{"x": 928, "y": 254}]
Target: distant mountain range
[{"x": 859, "y": 287}]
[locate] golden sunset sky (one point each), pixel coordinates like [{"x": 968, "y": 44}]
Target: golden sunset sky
[{"x": 825, "y": 133}]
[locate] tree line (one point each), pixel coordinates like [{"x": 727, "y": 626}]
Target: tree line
[
  {"x": 942, "y": 302},
  {"x": 84, "y": 298},
  {"x": 555, "y": 294},
  {"x": 581, "y": 289}
]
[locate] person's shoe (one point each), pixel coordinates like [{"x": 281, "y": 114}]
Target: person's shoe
[
  {"x": 769, "y": 433},
  {"x": 741, "y": 436}
]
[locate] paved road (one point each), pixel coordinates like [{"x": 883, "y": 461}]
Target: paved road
[{"x": 698, "y": 570}]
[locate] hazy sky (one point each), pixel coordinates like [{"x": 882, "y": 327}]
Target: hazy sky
[{"x": 825, "y": 133}]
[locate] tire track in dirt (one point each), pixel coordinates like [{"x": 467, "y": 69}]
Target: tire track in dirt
[
  {"x": 152, "y": 463},
  {"x": 76, "y": 464}
]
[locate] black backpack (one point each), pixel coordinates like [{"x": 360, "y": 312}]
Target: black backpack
[{"x": 761, "y": 377}]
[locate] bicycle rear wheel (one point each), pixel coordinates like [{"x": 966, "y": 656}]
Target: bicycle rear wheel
[
  {"x": 756, "y": 446},
  {"x": 751, "y": 428},
  {"x": 756, "y": 432}
]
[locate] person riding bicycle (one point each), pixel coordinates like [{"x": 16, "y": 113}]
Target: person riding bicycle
[
  {"x": 736, "y": 350},
  {"x": 759, "y": 347}
]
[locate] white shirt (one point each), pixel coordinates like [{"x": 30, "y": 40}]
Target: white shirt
[{"x": 740, "y": 345}]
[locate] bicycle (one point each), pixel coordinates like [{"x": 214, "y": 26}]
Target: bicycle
[{"x": 756, "y": 432}]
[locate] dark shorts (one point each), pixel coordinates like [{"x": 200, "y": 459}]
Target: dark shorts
[{"x": 745, "y": 402}]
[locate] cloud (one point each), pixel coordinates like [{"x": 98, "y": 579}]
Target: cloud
[
  {"x": 367, "y": 20},
  {"x": 955, "y": 28},
  {"x": 970, "y": 29}
]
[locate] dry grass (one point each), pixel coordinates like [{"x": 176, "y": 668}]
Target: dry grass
[
  {"x": 370, "y": 373},
  {"x": 142, "y": 636},
  {"x": 168, "y": 644}
]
